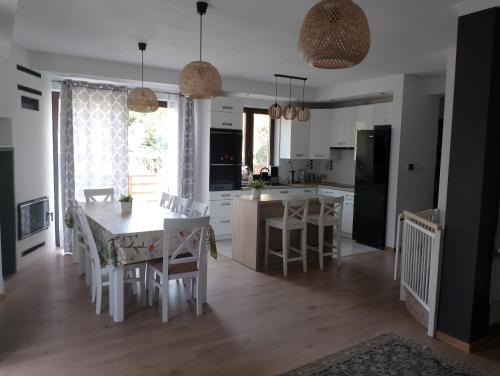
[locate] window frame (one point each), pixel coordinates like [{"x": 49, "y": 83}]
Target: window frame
[{"x": 249, "y": 131}]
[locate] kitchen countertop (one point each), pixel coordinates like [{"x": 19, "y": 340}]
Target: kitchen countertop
[{"x": 334, "y": 185}]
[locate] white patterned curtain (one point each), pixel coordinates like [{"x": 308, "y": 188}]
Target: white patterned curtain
[
  {"x": 93, "y": 138},
  {"x": 186, "y": 148}
]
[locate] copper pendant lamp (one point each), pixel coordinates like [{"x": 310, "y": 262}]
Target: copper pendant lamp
[
  {"x": 303, "y": 112},
  {"x": 200, "y": 79},
  {"x": 275, "y": 110},
  {"x": 289, "y": 111},
  {"x": 142, "y": 99},
  {"x": 335, "y": 34}
]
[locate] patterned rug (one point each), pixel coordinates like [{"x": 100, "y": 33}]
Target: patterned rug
[{"x": 387, "y": 355}]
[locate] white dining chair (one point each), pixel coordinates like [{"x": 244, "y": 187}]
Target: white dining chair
[
  {"x": 80, "y": 250},
  {"x": 134, "y": 273},
  {"x": 179, "y": 262},
  {"x": 166, "y": 200},
  {"x": 330, "y": 214},
  {"x": 180, "y": 205},
  {"x": 108, "y": 194},
  {"x": 294, "y": 218},
  {"x": 198, "y": 209}
]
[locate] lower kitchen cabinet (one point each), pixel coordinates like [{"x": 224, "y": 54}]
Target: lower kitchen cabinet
[{"x": 221, "y": 213}]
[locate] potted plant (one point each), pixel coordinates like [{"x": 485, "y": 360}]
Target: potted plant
[
  {"x": 126, "y": 203},
  {"x": 256, "y": 186}
]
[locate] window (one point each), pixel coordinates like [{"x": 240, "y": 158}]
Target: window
[
  {"x": 152, "y": 152},
  {"x": 258, "y": 139}
]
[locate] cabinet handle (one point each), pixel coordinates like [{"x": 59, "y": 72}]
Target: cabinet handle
[
  {"x": 225, "y": 195},
  {"x": 319, "y": 155},
  {"x": 299, "y": 155},
  {"x": 307, "y": 191},
  {"x": 225, "y": 221},
  {"x": 227, "y": 107},
  {"x": 348, "y": 203},
  {"x": 225, "y": 204},
  {"x": 227, "y": 124},
  {"x": 284, "y": 191}
]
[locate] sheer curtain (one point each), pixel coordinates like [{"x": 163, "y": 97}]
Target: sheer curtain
[
  {"x": 187, "y": 153},
  {"x": 93, "y": 140}
]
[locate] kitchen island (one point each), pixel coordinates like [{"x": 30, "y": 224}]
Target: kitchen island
[{"x": 249, "y": 217}]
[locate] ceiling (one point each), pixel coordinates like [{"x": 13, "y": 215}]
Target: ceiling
[{"x": 246, "y": 39}]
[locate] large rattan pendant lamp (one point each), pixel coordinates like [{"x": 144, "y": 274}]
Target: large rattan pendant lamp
[
  {"x": 334, "y": 34},
  {"x": 200, "y": 79},
  {"x": 142, "y": 99}
]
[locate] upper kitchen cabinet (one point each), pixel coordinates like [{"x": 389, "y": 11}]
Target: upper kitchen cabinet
[
  {"x": 224, "y": 104},
  {"x": 383, "y": 113},
  {"x": 320, "y": 129},
  {"x": 226, "y": 113},
  {"x": 342, "y": 131},
  {"x": 294, "y": 139},
  {"x": 364, "y": 117}
]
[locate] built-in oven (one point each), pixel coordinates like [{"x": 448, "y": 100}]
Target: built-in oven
[{"x": 225, "y": 160}]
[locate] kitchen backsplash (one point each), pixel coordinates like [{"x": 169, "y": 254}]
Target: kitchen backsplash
[{"x": 343, "y": 166}]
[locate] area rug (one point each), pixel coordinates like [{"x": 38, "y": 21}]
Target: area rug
[{"x": 387, "y": 354}]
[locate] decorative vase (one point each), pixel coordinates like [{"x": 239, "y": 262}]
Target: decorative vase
[
  {"x": 126, "y": 207},
  {"x": 255, "y": 193}
]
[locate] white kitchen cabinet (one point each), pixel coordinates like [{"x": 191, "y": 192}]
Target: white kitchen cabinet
[
  {"x": 294, "y": 139},
  {"x": 226, "y": 120},
  {"x": 383, "y": 113},
  {"x": 320, "y": 129},
  {"x": 221, "y": 212},
  {"x": 224, "y": 104},
  {"x": 342, "y": 131},
  {"x": 364, "y": 117}
]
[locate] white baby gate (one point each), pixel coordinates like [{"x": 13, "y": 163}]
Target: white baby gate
[{"x": 418, "y": 260}]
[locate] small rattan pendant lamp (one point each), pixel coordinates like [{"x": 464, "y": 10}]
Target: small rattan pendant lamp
[
  {"x": 274, "y": 111},
  {"x": 289, "y": 111},
  {"x": 142, "y": 99},
  {"x": 334, "y": 34},
  {"x": 200, "y": 79},
  {"x": 303, "y": 112}
]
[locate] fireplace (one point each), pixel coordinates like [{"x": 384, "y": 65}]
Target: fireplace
[{"x": 33, "y": 216}]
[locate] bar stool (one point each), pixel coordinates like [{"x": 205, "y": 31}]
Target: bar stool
[
  {"x": 294, "y": 218},
  {"x": 330, "y": 214}
]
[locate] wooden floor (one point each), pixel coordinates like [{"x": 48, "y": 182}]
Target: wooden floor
[{"x": 254, "y": 324}]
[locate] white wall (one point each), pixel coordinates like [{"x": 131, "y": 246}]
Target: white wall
[
  {"x": 32, "y": 141},
  {"x": 418, "y": 143},
  {"x": 344, "y": 166}
]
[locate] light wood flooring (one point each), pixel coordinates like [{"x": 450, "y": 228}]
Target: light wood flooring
[{"x": 254, "y": 323}]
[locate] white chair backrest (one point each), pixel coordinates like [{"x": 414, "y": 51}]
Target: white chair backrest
[
  {"x": 166, "y": 200},
  {"x": 331, "y": 207},
  {"x": 91, "y": 194},
  {"x": 180, "y": 205},
  {"x": 295, "y": 209},
  {"x": 198, "y": 209},
  {"x": 87, "y": 235},
  {"x": 190, "y": 233}
]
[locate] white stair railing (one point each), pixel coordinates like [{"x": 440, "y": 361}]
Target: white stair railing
[{"x": 419, "y": 246}]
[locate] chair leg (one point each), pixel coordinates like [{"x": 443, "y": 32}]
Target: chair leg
[
  {"x": 164, "y": 299},
  {"x": 151, "y": 286},
  {"x": 266, "y": 252},
  {"x": 285, "y": 235},
  {"x": 321, "y": 243},
  {"x": 97, "y": 282},
  {"x": 94, "y": 270},
  {"x": 193, "y": 292},
  {"x": 141, "y": 271},
  {"x": 303, "y": 242},
  {"x": 199, "y": 307},
  {"x": 339, "y": 246}
]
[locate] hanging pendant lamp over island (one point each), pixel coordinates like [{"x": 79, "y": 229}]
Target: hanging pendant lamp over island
[
  {"x": 142, "y": 99},
  {"x": 335, "y": 34},
  {"x": 200, "y": 79}
]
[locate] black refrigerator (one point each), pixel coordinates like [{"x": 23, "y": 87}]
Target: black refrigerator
[{"x": 373, "y": 148}]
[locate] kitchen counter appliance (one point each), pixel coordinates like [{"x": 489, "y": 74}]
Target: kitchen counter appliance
[{"x": 225, "y": 160}]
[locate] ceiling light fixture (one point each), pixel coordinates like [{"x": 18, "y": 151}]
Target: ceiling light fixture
[
  {"x": 289, "y": 111},
  {"x": 303, "y": 112},
  {"x": 200, "y": 79},
  {"x": 275, "y": 110},
  {"x": 335, "y": 34},
  {"x": 142, "y": 99}
]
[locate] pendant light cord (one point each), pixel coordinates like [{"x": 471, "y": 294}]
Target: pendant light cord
[
  {"x": 276, "y": 91},
  {"x": 303, "y": 92},
  {"x": 201, "y": 32},
  {"x": 142, "y": 69},
  {"x": 290, "y": 95}
]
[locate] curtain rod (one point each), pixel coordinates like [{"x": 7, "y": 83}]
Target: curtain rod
[{"x": 122, "y": 86}]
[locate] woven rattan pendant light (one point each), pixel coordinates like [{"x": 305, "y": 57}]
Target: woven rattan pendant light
[
  {"x": 200, "y": 79},
  {"x": 142, "y": 99},
  {"x": 275, "y": 110},
  {"x": 302, "y": 112},
  {"x": 289, "y": 111},
  {"x": 334, "y": 34}
]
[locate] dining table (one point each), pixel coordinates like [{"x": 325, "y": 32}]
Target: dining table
[{"x": 130, "y": 238}]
